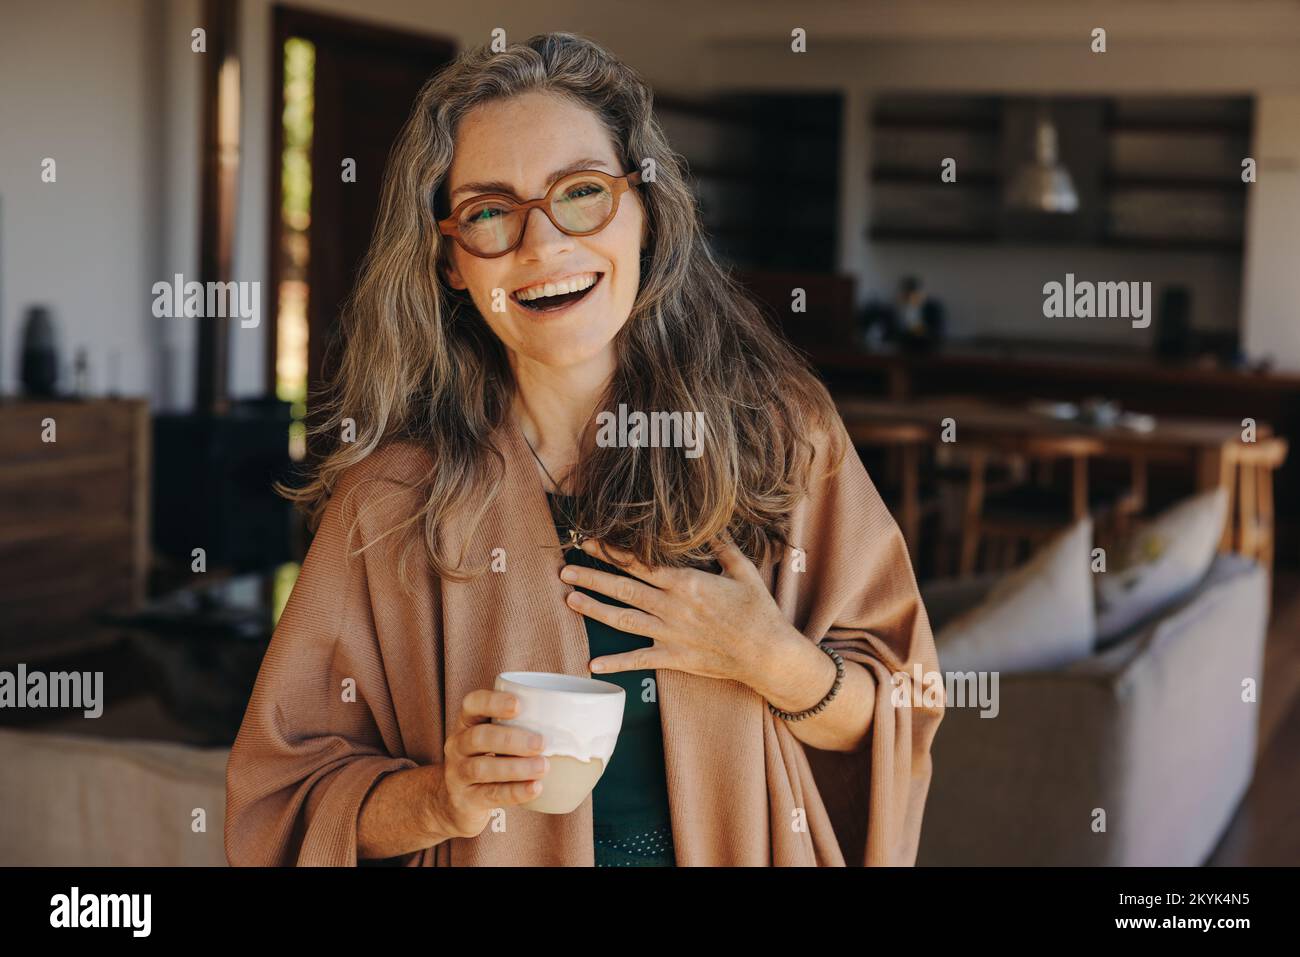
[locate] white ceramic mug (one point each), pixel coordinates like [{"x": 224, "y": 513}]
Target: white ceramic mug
[{"x": 578, "y": 719}]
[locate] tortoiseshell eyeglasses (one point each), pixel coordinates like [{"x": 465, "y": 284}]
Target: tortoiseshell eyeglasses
[{"x": 578, "y": 204}]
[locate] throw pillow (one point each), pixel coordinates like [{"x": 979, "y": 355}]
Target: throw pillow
[
  {"x": 1159, "y": 563},
  {"x": 1040, "y": 616}
]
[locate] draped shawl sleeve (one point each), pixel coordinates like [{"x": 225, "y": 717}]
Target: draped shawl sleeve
[
  {"x": 321, "y": 728},
  {"x": 854, "y": 591}
]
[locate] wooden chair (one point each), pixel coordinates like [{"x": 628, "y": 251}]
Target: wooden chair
[
  {"x": 902, "y": 481},
  {"x": 1032, "y": 513},
  {"x": 1252, "y": 520},
  {"x": 1001, "y": 469},
  {"x": 918, "y": 485}
]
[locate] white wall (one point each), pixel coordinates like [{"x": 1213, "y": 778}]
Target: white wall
[
  {"x": 1272, "y": 275},
  {"x": 77, "y": 85}
]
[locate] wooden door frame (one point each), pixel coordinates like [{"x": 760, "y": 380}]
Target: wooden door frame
[{"x": 289, "y": 21}]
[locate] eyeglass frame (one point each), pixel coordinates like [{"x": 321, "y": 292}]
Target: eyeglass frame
[{"x": 618, "y": 185}]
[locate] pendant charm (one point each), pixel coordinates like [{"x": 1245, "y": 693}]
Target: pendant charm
[{"x": 574, "y": 539}]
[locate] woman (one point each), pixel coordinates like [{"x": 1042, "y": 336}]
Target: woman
[{"x": 746, "y": 584}]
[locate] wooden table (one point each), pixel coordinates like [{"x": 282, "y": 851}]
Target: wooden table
[{"x": 1208, "y": 446}]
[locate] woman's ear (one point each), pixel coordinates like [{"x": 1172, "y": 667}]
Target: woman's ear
[{"x": 452, "y": 274}]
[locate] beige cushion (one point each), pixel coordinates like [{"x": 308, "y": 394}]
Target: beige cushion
[
  {"x": 1159, "y": 563},
  {"x": 71, "y": 800},
  {"x": 1040, "y": 616}
]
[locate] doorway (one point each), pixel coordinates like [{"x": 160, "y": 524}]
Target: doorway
[{"x": 342, "y": 89}]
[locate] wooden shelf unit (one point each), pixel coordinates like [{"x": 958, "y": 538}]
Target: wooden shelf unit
[{"x": 1098, "y": 139}]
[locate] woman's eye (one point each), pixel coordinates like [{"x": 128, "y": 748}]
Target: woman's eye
[
  {"x": 583, "y": 190},
  {"x": 483, "y": 214}
]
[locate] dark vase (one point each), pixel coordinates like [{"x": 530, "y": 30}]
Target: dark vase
[{"x": 40, "y": 362}]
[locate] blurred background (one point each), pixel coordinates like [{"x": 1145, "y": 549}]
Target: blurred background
[{"x": 898, "y": 194}]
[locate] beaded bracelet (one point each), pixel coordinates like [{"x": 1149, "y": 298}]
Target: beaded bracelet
[{"x": 821, "y": 705}]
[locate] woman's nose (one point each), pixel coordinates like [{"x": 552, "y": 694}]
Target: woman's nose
[{"x": 541, "y": 237}]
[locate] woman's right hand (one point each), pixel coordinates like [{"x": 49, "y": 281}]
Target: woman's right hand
[{"x": 487, "y": 765}]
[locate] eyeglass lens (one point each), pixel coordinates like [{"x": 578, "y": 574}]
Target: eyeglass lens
[{"x": 581, "y": 203}]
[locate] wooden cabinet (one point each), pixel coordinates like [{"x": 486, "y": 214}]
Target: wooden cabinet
[{"x": 74, "y": 515}]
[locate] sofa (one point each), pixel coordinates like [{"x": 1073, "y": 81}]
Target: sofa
[
  {"x": 80, "y": 800},
  {"x": 1136, "y": 754}
]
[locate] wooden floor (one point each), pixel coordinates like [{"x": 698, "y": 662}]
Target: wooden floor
[{"x": 1266, "y": 828}]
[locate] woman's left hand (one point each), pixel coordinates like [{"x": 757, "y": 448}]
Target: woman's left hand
[{"x": 718, "y": 626}]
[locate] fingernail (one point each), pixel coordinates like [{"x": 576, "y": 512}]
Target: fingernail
[
  {"x": 535, "y": 742},
  {"x": 597, "y": 666},
  {"x": 568, "y": 574}
]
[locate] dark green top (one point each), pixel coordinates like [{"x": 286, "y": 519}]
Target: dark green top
[{"x": 630, "y": 819}]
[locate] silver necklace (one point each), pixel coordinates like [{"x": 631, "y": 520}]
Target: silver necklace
[{"x": 574, "y": 538}]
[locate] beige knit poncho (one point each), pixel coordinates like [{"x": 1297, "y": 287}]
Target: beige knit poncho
[{"x": 742, "y": 789}]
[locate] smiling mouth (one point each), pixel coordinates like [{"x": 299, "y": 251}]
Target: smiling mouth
[{"x": 557, "y": 302}]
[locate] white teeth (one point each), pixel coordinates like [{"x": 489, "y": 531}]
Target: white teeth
[{"x": 572, "y": 284}]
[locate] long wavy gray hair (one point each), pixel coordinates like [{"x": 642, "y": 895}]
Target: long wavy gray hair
[{"x": 419, "y": 363}]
